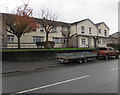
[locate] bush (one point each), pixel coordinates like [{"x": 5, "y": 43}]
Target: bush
[{"x": 49, "y": 44}]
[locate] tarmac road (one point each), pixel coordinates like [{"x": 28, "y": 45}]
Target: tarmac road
[{"x": 97, "y": 76}]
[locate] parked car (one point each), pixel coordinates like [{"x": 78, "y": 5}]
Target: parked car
[{"x": 106, "y": 52}]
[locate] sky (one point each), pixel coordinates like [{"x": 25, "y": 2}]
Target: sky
[{"x": 72, "y": 10}]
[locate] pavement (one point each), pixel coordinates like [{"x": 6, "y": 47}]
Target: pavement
[{"x": 14, "y": 67}]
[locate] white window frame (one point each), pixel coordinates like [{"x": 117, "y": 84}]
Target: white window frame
[
  {"x": 57, "y": 40},
  {"x": 65, "y": 41},
  {"x": 83, "y": 41},
  {"x": 54, "y": 30},
  {"x": 90, "y": 30},
  {"x": 10, "y": 38},
  {"x": 105, "y": 32},
  {"x": 65, "y": 29},
  {"x": 82, "y": 29},
  {"x": 99, "y": 41},
  {"x": 99, "y": 30},
  {"x": 38, "y": 39},
  {"x": 42, "y": 29}
]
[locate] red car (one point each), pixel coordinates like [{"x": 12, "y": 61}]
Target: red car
[{"x": 106, "y": 52}]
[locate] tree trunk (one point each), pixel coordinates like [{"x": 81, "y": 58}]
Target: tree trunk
[
  {"x": 46, "y": 37},
  {"x": 46, "y": 40},
  {"x": 18, "y": 42},
  {"x": 67, "y": 42}
]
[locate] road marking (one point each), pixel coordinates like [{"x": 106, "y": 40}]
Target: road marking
[
  {"x": 114, "y": 69},
  {"x": 50, "y": 85}
]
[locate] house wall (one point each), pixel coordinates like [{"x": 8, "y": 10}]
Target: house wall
[
  {"x": 28, "y": 38},
  {"x": 80, "y": 42},
  {"x": 90, "y": 40},
  {"x": 74, "y": 41},
  {"x": 73, "y": 29},
  {"x": 103, "y": 43},
  {"x": 77, "y": 29},
  {"x": 0, "y": 30},
  {"x": 103, "y": 27},
  {"x": 87, "y": 24}
]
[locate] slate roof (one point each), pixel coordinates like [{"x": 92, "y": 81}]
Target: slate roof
[
  {"x": 63, "y": 24},
  {"x": 97, "y": 24},
  {"x": 83, "y": 21},
  {"x": 41, "y": 21},
  {"x": 56, "y": 23},
  {"x": 79, "y": 21}
]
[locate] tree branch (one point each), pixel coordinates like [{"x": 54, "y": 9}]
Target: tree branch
[
  {"x": 72, "y": 35},
  {"x": 64, "y": 34}
]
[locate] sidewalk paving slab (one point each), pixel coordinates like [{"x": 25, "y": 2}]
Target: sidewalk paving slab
[{"x": 12, "y": 67}]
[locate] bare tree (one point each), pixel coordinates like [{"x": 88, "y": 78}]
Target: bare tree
[
  {"x": 20, "y": 22},
  {"x": 67, "y": 35},
  {"x": 48, "y": 21}
]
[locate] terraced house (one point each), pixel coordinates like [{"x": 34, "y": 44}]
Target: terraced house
[{"x": 87, "y": 34}]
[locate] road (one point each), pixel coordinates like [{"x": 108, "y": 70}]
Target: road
[{"x": 97, "y": 76}]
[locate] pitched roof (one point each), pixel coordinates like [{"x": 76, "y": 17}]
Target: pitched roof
[
  {"x": 97, "y": 24},
  {"x": 41, "y": 21},
  {"x": 117, "y": 34},
  {"x": 63, "y": 24},
  {"x": 79, "y": 21},
  {"x": 83, "y": 21},
  {"x": 56, "y": 23}
]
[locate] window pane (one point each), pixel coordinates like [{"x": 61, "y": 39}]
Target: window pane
[
  {"x": 105, "y": 33},
  {"x": 41, "y": 28},
  {"x": 57, "y": 40},
  {"x": 10, "y": 38},
  {"x": 54, "y": 30},
  {"x": 83, "y": 41},
  {"x": 90, "y": 30},
  {"x": 82, "y": 29},
  {"x": 99, "y": 30},
  {"x": 38, "y": 39}
]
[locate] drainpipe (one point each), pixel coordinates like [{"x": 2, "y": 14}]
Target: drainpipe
[{"x": 76, "y": 37}]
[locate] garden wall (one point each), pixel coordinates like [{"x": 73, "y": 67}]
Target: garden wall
[{"x": 33, "y": 55}]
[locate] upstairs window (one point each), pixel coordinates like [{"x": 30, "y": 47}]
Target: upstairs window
[
  {"x": 99, "y": 31},
  {"x": 105, "y": 32},
  {"x": 38, "y": 39},
  {"x": 54, "y": 30},
  {"x": 90, "y": 30},
  {"x": 82, "y": 29},
  {"x": 41, "y": 28},
  {"x": 10, "y": 38},
  {"x": 65, "y": 29}
]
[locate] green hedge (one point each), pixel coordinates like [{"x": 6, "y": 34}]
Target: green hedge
[{"x": 53, "y": 49}]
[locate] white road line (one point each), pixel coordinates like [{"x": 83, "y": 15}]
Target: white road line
[
  {"x": 114, "y": 69},
  {"x": 61, "y": 82}
]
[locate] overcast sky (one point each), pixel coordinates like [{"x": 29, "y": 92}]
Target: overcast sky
[{"x": 73, "y": 10}]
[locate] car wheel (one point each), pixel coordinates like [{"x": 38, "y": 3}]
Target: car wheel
[
  {"x": 117, "y": 56},
  {"x": 106, "y": 56},
  {"x": 85, "y": 60},
  {"x": 80, "y": 61}
]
